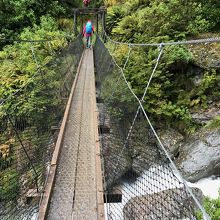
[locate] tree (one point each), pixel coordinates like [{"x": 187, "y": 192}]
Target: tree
[{"x": 17, "y": 14}]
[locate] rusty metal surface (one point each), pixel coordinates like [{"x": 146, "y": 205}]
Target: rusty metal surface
[{"x": 75, "y": 189}]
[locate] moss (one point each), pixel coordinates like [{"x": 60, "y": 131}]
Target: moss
[
  {"x": 214, "y": 123},
  {"x": 212, "y": 207}
]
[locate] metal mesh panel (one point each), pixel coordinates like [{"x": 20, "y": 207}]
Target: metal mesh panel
[
  {"x": 139, "y": 180},
  {"x": 28, "y": 133}
]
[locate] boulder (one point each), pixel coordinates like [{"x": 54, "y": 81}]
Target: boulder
[
  {"x": 206, "y": 56},
  {"x": 167, "y": 204},
  {"x": 199, "y": 157},
  {"x": 170, "y": 139},
  {"x": 205, "y": 116}
]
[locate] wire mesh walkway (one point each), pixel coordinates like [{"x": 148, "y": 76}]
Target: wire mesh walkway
[{"x": 74, "y": 193}]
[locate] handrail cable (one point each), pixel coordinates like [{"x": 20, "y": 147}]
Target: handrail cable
[
  {"x": 142, "y": 99},
  {"x": 205, "y": 215},
  {"x": 27, "y": 82},
  {"x": 145, "y": 92},
  {"x": 198, "y": 41},
  {"x": 33, "y": 76},
  {"x": 28, "y": 41},
  {"x": 31, "y": 40},
  {"x": 124, "y": 66}
]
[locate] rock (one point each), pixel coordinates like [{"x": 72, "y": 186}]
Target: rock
[
  {"x": 207, "y": 56},
  {"x": 170, "y": 139},
  {"x": 117, "y": 160},
  {"x": 144, "y": 148},
  {"x": 199, "y": 157},
  {"x": 204, "y": 117},
  {"x": 167, "y": 204}
]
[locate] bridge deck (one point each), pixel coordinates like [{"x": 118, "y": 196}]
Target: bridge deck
[{"x": 74, "y": 195}]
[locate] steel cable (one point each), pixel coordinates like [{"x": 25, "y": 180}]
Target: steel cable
[
  {"x": 196, "y": 41},
  {"x": 205, "y": 215}
]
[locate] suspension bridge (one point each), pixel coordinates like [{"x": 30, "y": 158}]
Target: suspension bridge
[{"x": 102, "y": 158}]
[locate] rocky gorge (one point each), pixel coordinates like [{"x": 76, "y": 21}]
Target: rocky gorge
[{"x": 195, "y": 153}]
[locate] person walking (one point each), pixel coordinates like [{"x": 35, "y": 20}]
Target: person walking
[{"x": 88, "y": 31}]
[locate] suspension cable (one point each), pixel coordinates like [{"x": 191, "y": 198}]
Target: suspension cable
[
  {"x": 145, "y": 92},
  {"x": 25, "y": 151},
  {"x": 27, "y": 82},
  {"x": 137, "y": 112},
  {"x": 197, "y": 41},
  {"x": 119, "y": 77},
  {"x": 28, "y": 41},
  {"x": 205, "y": 215}
]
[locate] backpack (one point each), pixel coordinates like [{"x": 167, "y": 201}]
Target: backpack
[{"x": 89, "y": 28}]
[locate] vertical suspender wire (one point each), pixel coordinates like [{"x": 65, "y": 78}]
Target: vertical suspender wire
[
  {"x": 38, "y": 65},
  {"x": 125, "y": 64},
  {"x": 34, "y": 57},
  {"x": 205, "y": 215},
  {"x": 131, "y": 128},
  {"x": 50, "y": 48},
  {"x": 145, "y": 92},
  {"x": 25, "y": 151}
]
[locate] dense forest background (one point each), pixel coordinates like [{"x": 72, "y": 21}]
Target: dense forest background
[
  {"x": 186, "y": 81},
  {"x": 185, "y": 86},
  {"x": 174, "y": 91}
]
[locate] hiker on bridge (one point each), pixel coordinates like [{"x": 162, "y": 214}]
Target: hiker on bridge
[{"x": 88, "y": 31}]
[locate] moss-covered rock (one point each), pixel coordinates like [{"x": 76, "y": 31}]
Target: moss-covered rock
[{"x": 206, "y": 56}]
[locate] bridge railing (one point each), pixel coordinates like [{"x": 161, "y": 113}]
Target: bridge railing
[
  {"x": 140, "y": 181},
  {"x": 29, "y": 125}
]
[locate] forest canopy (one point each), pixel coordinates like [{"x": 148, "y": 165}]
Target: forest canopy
[{"x": 173, "y": 94}]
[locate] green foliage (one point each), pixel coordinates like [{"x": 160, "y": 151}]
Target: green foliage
[
  {"x": 204, "y": 91},
  {"x": 17, "y": 14},
  {"x": 117, "y": 96},
  {"x": 127, "y": 28},
  {"x": 211, "y": 12},
  {"x": 173, "y": 91},
  {"x": 177, "y": 54},
  {"x": 214, "y": 123},
  {"x": 161, "y": 101},
  {"x": 24, "y": 63},
  {"x": 146, "y": 20},
  {"x": 9, "y": 185},
  {"x": 112, "y": 2},
  {"x": 114, "y": 15},
  {"x": 212, "y": 207}
]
